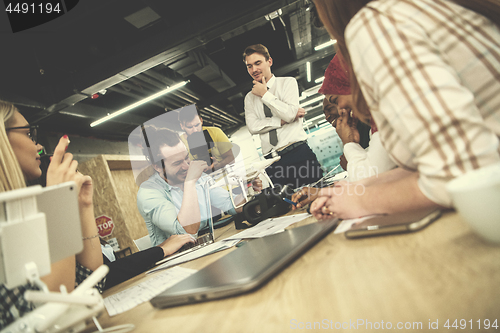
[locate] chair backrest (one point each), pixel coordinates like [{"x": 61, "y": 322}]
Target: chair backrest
[{"x": 143, "y": 243}]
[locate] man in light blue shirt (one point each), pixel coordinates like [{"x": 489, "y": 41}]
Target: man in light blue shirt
[{"x": 176, "y": 199}]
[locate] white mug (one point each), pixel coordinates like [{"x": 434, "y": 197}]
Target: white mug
[{"x": 476, "y": 197}]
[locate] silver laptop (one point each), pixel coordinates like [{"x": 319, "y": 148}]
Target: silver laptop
[
  {"x": 246, "y": 268},
  {"x": 201, "y": 241}
]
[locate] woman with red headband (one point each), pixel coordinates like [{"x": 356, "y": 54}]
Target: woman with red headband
[{"x": 337, "y": 106}]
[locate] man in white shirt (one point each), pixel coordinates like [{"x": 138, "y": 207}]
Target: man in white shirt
[{"x": 272, "y": 111}]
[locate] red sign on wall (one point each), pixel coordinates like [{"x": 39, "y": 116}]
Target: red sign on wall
[{"x": 105, "y": 225}]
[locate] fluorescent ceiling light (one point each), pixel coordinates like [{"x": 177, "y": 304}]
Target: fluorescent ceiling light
[
  {"x": 322, "y": 46},
  {"x": 320, "y": 79},
  {"x": 314, "y": 100},
  {"x": 308, "y": 68},
  {"x": 142, "y": 101}
]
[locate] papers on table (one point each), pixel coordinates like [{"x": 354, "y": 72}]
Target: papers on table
[
  {"x": 145, "y": 291},
  {"x": 269, "y": 227},
  {"x": 201, "y": 252},
  {"x": 264, "y": 228}
]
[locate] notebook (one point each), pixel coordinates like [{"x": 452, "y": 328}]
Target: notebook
[{"x": 246, "y": 268}]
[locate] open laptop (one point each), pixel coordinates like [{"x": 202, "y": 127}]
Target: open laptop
[
  {"x": 202, "y": 240},
  {"x": 246, "y": 268}
]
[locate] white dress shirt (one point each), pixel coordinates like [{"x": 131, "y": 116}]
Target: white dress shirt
[
  {"x": 364, "y": 163},
  {"x": 282, "y": 98}
]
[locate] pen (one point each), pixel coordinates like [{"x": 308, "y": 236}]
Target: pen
[{"x": 290, "y": 201}]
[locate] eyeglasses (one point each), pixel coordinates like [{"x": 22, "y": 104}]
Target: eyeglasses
[{"x": 32, "y": 134}]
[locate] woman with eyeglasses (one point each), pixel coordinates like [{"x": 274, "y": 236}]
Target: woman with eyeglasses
[{"x": 19, "y": 163}]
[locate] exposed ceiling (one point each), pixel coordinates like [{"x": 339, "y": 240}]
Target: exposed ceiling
[{"x": 135, "y": 48}]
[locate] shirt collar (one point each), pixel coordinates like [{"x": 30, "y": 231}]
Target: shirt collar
[{"x": 271, "y": 81}]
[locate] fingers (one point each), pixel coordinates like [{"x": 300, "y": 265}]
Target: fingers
[
  {"x": 317, "y": 206},
  {"x": 60, "y": 150},
  {"x": 186, "y": 238},
  {"x": 175, "y": 242}
]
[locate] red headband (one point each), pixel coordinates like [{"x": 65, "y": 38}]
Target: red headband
[{"x": 336, "y": 78}]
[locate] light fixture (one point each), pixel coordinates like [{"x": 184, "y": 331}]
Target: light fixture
[
  {"x": 308, "y": 68},
  {"x": 314, "y": 100},
  {"x": 322, "y": 46},
  {"x": 136, "y": 104},
  {"x": 320, "y": 79}
]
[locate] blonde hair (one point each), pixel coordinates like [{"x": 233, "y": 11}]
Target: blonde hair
[{"x": 11, "y": 175}]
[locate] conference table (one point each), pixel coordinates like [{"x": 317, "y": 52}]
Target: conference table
[{"x": 442, "y": 278}]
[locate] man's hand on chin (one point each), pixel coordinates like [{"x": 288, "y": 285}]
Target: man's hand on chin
[{"x": 259, "y": 87}]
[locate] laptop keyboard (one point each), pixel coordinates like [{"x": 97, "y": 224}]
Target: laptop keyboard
[{"x": 202, "y": 240}]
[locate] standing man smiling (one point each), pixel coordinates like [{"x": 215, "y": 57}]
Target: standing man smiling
[{"x": 272, "y": 111}]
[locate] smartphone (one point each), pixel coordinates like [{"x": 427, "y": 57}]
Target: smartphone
[
  {"x": 393, "y": 224},
  {"x": 60, "y": 205}
]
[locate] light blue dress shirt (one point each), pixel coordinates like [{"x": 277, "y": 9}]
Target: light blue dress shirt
[{"x": 159, "y": 204}]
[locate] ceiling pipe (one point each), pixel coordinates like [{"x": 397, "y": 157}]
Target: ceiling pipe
[
  {"x": 208, "y": 114},
  {"x": 234, "y": 119},
  {"x": 207, "y": 117},
  {"x": 221, "y": 115}
]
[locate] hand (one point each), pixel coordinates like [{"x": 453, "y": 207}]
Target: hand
[
  {"x": 86, "y": 191},
  {"x": 257, "y": 185},
  {"x": 318, "y": 208},
  {"x": 300, "y": 113},
  {"x": 343, "y": 162},
  {"x": 259, "y": 88},
  {"x": 344, "y": 200},
  {"x": 62, "y": 168},
  {"x": 305, "y": 196},
  {"x": 346, "y": 127},
  {"x": 174, "y": 243},
  {"x": 196, "y": 168}
]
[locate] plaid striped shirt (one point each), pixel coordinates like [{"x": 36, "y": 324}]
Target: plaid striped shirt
[{"x": 430, "y": 73}]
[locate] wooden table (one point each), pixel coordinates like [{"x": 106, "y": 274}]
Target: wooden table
[{"x": 442, "y": 272}]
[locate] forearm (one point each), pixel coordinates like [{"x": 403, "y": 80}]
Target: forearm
[
  {"x": 189, "y": 215},
  {"x": 62, "y": 272},
  {"x": 281, "y": 110},
  {"x": 286, "y": 106},
  {"x": 91, "y": 256},
  {"x": 395, "y": 195},
  {"x": 385, "y": 177},
  {"x": 260, "y": 126}
]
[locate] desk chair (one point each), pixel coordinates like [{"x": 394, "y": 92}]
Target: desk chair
[{"x": 143, "y": 243}]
